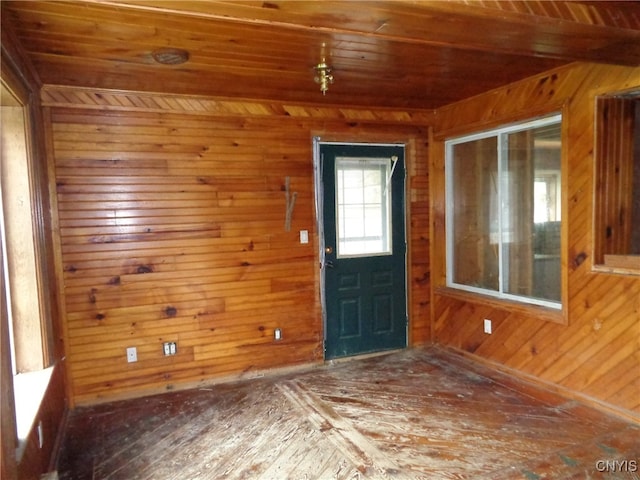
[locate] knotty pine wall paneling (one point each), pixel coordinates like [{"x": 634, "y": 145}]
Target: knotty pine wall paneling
[
  {"x": 595, "y": 354},
  {"x": 170, "y": 213}
]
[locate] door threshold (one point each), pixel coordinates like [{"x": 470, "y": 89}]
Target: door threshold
[{"x": 363, "y": 356}]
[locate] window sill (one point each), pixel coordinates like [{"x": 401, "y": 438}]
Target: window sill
[
  {"x": 542, "y": 313},
  {"x": 29, "y": 391},
  {"x": 622, "y": 264}
]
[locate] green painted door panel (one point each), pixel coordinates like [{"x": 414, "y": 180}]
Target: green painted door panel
[{"x": 365, "y": 248}]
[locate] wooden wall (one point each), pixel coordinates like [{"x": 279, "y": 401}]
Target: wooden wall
[
  {"x": 593, "y": 350},
  {"x": 170, "y": 226}
]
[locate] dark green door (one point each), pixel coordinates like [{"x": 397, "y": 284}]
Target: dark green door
[{"x": 365, "y": 249}]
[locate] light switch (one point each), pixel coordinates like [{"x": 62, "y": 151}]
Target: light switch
[
  {"x": 132, "y": 354},
  {"x": 487, "y": 326},
  {"x": 304, "y": 236}
]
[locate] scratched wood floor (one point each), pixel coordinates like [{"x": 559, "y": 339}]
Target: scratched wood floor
[{"x": 417, "y": 414}]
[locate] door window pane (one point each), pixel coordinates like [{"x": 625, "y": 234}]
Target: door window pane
[{"x": 362, "y": 206}]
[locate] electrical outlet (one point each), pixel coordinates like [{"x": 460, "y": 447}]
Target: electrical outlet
[
  {"x": 132, "y": 354},
  {"x": 277, "y": 334},
  {"x": 170, "y": 348},
  {"x": 487, "y": 326}
]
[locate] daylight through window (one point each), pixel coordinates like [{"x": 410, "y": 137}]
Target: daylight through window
[
  {"x": 504, "y": 212},
  {"x": 363, "y": 202}
]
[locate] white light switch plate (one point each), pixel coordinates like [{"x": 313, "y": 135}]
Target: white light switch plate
[
  {"x": 487, "y": 326},
  {"x": 304, "y": 236},
  {"x": 132, "y": 354}
]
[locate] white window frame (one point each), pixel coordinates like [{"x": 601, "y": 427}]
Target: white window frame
[{"x": 502, "y": 151}]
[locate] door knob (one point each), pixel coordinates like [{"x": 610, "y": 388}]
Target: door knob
[{"x": 328, "y": 250}]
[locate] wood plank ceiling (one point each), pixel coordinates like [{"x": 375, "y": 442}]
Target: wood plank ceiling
[{"x": 407, "y": 54}]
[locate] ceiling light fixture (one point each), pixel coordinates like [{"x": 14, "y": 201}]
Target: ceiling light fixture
[
  {"x": 323, "y": 74},
  {"x": 170, "y": 56}
]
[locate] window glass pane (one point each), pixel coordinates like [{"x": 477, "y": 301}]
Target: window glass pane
[
  {"x": 504, "y": 212},
  {"x": 531, "y": 253},
  {"x": 475, "y": 217},
  {"x": 362, "y": 206}
]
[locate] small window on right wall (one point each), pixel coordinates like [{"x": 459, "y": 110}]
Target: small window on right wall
[{"x": 617, "y": 195}]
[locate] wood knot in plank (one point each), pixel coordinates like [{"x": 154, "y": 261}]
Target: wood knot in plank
[
  {"x": 423, "y": 279},
  {"x": 101, "y": 239},
  {"x": 144, "y": 269},
  {"x": 579, "y": 259},
  {"x": 472, "y": 347},
  {"x": 114, "y": 280},
  {"x": 171, "y": 311}
]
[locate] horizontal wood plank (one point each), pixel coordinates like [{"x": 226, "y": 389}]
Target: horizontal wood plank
[{"x": 171, "y": 228}]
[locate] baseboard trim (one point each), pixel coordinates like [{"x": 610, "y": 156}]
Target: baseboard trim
[
  {"x": 175, "y": 387},
  {"x": 564, "y": 392}
]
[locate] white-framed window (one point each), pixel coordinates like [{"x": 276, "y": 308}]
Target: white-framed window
[{"x": 503, "y": 213}]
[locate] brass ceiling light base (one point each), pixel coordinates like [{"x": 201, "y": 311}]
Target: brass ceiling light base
[
  {"x": 323, "y": 77},
  {"x": 323, "y": 72}
]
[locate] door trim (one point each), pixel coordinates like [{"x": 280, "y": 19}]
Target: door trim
[{"x": 319, "y": 207}]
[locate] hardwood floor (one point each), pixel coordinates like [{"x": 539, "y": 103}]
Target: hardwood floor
[{"x": 423, "y": 413}]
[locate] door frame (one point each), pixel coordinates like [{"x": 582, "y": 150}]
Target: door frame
[{"x": 319, "y": 208}]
